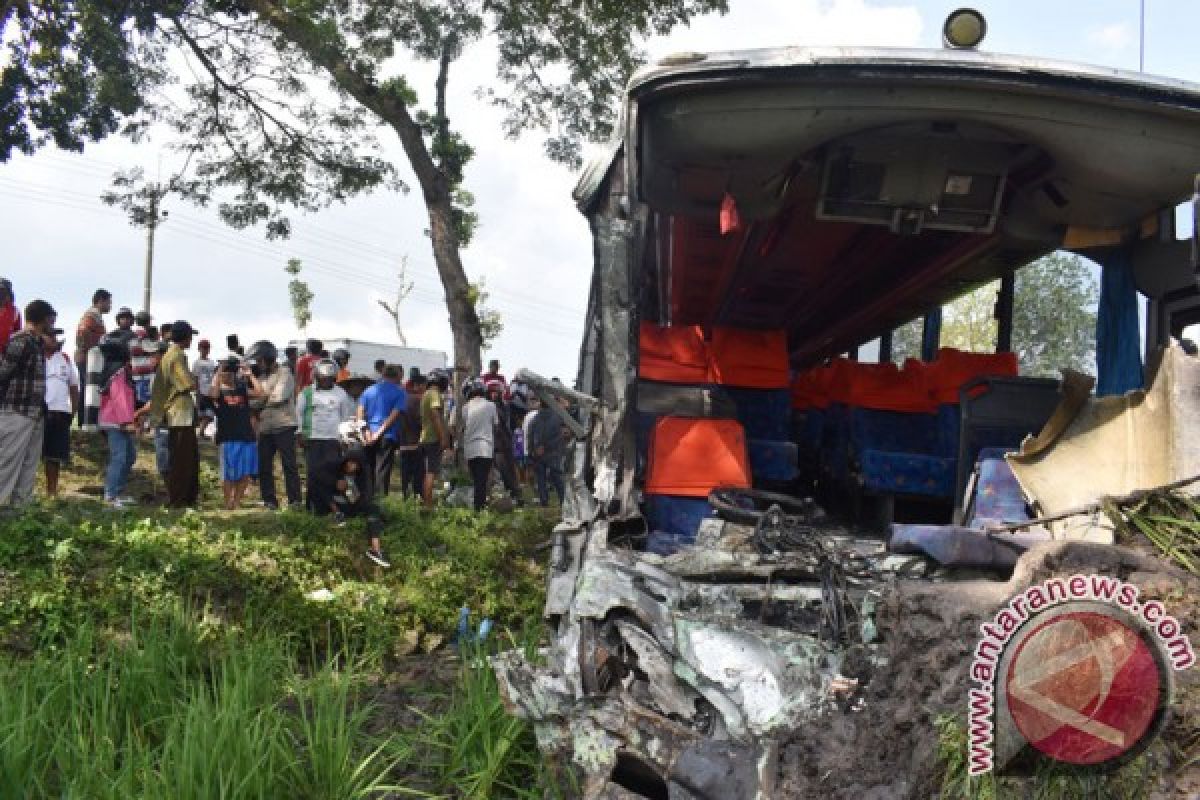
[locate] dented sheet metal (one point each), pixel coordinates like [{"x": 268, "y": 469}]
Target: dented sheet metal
[{"x": 1112, "y": 446}]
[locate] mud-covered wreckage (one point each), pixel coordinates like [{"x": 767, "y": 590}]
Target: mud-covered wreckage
[{"x": 684, "y": 673}]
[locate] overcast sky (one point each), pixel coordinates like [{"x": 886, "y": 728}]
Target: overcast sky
[{"x": 532, "y": 247}]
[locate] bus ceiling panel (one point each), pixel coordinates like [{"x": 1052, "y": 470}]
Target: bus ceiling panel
[{"x": 1111, "y": 157}]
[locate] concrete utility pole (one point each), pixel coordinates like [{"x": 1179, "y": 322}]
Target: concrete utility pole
[{"x": 153, "y": 217}]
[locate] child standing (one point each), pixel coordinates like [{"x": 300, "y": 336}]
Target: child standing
[{"x": 231, "y": 392}]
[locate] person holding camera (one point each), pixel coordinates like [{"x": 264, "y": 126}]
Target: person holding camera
[
  {"x": 232, "y": 390},
  {"x": 277, "y": 425}
]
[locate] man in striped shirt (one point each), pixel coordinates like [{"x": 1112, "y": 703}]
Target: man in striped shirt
[{"x": 23, "y": 404}]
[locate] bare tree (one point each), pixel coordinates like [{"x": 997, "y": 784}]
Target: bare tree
[{"x": 404, "y": 287}]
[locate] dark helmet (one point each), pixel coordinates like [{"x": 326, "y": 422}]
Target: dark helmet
[
  {"x": 341, "y": 356},
  {"x": 439, "y": 378},
  {"x": 325, "y": 370},
  {"x": 262, "y": 351}
]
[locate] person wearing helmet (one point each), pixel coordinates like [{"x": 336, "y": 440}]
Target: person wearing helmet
[
  {"x": 435, "y": 438},
  {"x": 341, "y": 357},
  {"x": 277, "y": 425},
  {"x": 381, "y": 406},
  {"x": 321, "y": 409}
]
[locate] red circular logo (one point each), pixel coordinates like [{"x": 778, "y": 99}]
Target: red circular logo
[{"x": 1083, "y": 687}]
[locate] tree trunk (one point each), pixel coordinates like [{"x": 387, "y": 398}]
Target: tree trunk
[
  {"x": 464, "y": 322},
  {"x": 435, "y": 189}
]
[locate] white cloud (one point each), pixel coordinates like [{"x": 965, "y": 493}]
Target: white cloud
[{"x": 1114, "y": 36}]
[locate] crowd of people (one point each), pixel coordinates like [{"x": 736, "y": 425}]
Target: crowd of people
[{"x": 136, "y": 379}]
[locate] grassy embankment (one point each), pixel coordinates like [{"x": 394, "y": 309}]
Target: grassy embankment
[{"x": 211, "y": 654}]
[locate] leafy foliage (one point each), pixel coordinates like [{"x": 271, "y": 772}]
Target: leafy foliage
[
  {"x": 1054, "y": 319},
  {"x": 491, "y": 324},
  {"x": 299, "y": 295}
]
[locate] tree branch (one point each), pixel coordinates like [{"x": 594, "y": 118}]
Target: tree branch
[{"x": 361, "y": 87}]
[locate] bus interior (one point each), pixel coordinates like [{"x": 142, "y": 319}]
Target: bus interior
[{"x": 791, "y": 219}]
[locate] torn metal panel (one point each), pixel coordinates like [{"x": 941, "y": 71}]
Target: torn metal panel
[
  {"x": 774, "y": 678},
  {"x": 1112, "y": 446}
]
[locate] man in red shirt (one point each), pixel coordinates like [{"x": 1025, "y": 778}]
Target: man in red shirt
[
  {"x": 10, "y": 315},
  {"x": 306, "y": 362}
]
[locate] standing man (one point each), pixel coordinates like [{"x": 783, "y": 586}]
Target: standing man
[
  {"x": 10, "y": 316},
  {"x": 125, "y": 320},
  {"x": 62, "y": 398},
  {"x": 548, "y": 448},
  {"x": 382, "y": 406},
  {"x": 379, "y": 365},
  {"x": 504, "y": 459},
  {"x": 277, "y": 425},
  {"x": 172, "y": 403},
  {"x": 23, "y": 404},
  {"x": 435, "y": 439},
  {"x": 88, "y": 334},
  {"x": 412, "y": 462},
  {"x": 341, "y": 357},
  {"x": 291, "y": 355},
  {"x": 306, "y": 362},
  {"x": 321, "y": 408},
  {"x": 202, "y": 372},
  {"x": 479, "y": 439}
]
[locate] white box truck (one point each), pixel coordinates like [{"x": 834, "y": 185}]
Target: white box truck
[{"x": 363, "y": 355}]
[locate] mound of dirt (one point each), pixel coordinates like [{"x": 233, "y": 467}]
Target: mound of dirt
[{"x": 888, "y": 750}]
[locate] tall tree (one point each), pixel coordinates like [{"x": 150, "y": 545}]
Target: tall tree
[
  {"x": 299, "y": 295},
  {"x": 255, "y": 120}
]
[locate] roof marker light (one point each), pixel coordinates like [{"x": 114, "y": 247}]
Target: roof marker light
[{"x": 964, "y": 29}]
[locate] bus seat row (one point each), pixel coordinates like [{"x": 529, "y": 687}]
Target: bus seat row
[
  {"x": 714, "y": 409},
  {"x": 891, "y": 430}
]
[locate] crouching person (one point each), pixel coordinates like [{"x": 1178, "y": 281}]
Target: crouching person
[{"x": 343, "y": 488}]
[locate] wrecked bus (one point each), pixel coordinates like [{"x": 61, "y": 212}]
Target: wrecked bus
[{"x": 720, "y": 578}]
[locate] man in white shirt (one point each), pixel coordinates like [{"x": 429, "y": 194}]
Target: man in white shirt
[
  {"x": 203, "y": 370},
  {"x": 321, "y": 407},
  {"x": 479, "y": 439},
  {"x": 62, "y": 400}
]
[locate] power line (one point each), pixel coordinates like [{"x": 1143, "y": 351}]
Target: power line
[
  {"x": 219, "y": 236},
  {"x": 369, "y": 251}
]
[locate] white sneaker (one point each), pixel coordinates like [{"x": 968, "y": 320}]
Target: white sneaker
[
  {"x": 116, "y": 503},
  {"x": 127, "y": 501}
]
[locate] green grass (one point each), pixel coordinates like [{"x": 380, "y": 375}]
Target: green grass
[
  {"x": 72, "y": 563},
  {"x": 1049, "y": 780},
  {"x": 474, "y": 750},
  {"x": 154, "y": 654},
  {"x": 167, "y": 711}
]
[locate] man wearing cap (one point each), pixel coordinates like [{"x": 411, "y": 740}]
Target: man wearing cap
[
  {"x": 23, "y": 404},
  {"x": 89, "y": 332},
  {"x": 171, "y": 402},
  {"x": 10, "y": 316},
  {"x": 62, "y": 398},
  {"x": 203, "y": 371}
]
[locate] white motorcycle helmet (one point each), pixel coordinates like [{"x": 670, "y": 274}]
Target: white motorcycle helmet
[{"x": 352, "y": 433}]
